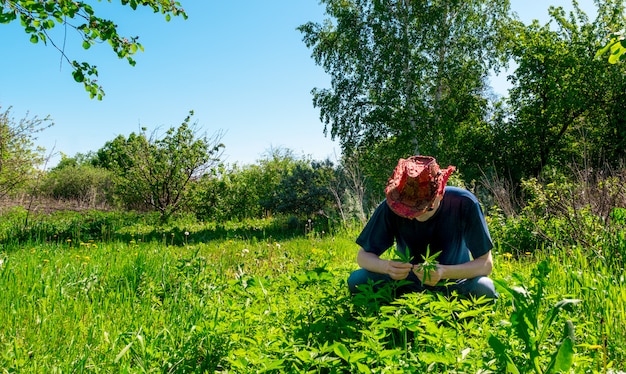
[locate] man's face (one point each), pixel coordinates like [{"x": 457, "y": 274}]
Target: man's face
[{"x": 426, "y": 216}]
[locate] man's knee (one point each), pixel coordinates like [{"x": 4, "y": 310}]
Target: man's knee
[
  {"x": 356, "y": 278},
  {"x": 362, "y": 276},
  {"x": 484, "y": 286}
]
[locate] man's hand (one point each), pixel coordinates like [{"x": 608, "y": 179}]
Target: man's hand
[
  {"x": 429, "y": 277},
  {"x": 398, "y": 270}
]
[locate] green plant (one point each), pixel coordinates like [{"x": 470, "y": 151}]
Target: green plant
[
  {"x": 533, "y": 332},
  {"x": 404, "y": 255},
  {"x": 429, "y": 263},
  {"x": 154, "y": 172},
  {"x": 241, "y": 303}
]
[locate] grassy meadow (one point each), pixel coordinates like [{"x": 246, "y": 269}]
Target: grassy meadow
[{"x": 112, "y": 293}]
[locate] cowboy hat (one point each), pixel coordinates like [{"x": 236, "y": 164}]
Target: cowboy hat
[{"x": 414, "y": 185}]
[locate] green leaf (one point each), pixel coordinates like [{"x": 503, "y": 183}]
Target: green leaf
[
  {"x": 7, "y": 17},
  {"x": 78, "y": 76},
  {"x": 563, "y": 358},
  {"x": 122, "y": 353},
  {"x": 34, "y": 39},
  {"x": 500, "y": 350},
  {"x": 563, "y": 304},
  {"x": 86, "y": 44},
  {"x": 342, "y": 351},
  {"x": 363, "y": 368},
  {"x": 617, "y": 50}
]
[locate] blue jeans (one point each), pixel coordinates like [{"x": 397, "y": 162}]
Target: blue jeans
[{"x": 477, "y": 287}]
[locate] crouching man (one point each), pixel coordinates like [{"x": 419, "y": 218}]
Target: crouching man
[{"x": 420, "y": 212}]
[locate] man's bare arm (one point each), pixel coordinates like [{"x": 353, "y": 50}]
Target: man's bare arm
[{"x": 475, "y": 268}]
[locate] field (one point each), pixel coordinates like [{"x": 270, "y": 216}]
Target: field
[{"x": 100, "y": 293}]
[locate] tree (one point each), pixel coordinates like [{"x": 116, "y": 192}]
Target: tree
[
  {"x": 349, "y": 188},
  {"x": 18, "y": 155},
  {"x": 566, "y": 104},
  {"x": 304, "y": 190},
  {"x": 229, "y": 193},
  {"x": 611, "y": 17},
  {"x": 404, "y": 74},
  {"x": 39, "y": 17},
  {"x": 157, "y": 173}
]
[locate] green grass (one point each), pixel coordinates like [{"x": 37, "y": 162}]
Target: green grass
[{"x": 241, "y": 302}]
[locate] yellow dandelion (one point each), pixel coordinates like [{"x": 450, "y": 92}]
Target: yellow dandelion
[{"x": 508, "y": 255}]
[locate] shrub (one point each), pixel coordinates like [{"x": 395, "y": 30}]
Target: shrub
[{"x": 91, "y": 186}]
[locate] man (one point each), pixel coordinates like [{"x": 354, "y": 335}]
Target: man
[{"x": 421, "y": 213}]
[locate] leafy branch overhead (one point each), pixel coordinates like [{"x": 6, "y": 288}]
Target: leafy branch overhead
[
  {"x": 616, "y": 47},
  {"x": 39, "y": 17}
]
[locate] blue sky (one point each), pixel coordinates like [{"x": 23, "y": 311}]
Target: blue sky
[{"x": 240, "y": 66}]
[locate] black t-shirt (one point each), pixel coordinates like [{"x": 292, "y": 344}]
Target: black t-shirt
[{"x": 457, "y": 229}]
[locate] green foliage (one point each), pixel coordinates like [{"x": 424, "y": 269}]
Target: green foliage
[
  {"x": 405, "y": 75},
  {"x": 567, "y": 209},
  {"x": 18, "y": 155},
  {"x": 616, "y": 48},
  {"x": 241, "y": 304},
  {"x": 39, "y": 17},
  {"x": 229, "y": 193},
  {"x": 428, "y": 263},
  {"x": 157, "y": 173},
  {"x": 563, "y": 106},
  {"x": 89, "y": 185},
  {"x": 396, "y": 91},
  {"x": 532, "y": 325},
  {"x": 613, "y": 19},
  {"x": 303, "y": 191},
  {"x": 21, "y": 227},
  {"x": 278, "y": 184}
]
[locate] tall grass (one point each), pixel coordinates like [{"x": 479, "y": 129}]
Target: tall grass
[{"x": 250, "y": 300}]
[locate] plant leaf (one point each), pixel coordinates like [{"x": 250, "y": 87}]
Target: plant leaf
[
  {"x": 563, "y": 358},
  {"x": 500, "y": 350},
  {"x": 122, "y": 353},
  {"x": 342, "y": 351}
]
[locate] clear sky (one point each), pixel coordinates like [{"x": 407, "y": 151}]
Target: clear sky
[{"x": 241, "y": 66}]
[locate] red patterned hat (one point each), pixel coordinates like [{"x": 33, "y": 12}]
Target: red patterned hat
[{"x": 414, "y": 185}]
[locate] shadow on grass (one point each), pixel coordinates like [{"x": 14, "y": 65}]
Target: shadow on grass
[{"x": 18, "y": 228}]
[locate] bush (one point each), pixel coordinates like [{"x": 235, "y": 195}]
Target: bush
[
  {"x": 579, "y": 208},
  {"x": 91, "y": 186}
]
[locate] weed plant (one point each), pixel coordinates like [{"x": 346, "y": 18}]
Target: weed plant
[{"x": 253, "y": 299}]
